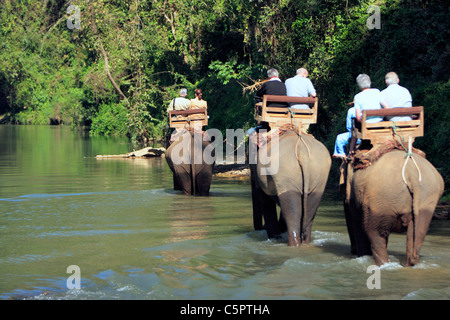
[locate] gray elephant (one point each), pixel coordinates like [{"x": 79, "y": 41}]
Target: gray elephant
[
  {"x": 396, "y": 193},
  {"x": 294, "y": 176},
  {"x": 191, "y": 159}
]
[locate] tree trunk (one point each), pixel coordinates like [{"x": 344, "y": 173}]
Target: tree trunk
[{"x": 108, "y": 73}]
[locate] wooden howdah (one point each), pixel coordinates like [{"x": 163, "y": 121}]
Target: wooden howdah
[
  {"x": 188, "y": 118},
  {"x": 278, "y": 116},
  {"x": 382, "y": 131}
]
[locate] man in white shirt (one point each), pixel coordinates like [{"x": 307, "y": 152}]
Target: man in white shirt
[
  {"x": 180, "y": 103},
  {"x": 300, "y": 86},
  {"x": 395, "y": 96},
  {"x": 367, "y": 99}
]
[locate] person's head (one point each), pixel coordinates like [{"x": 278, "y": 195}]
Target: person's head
[
  {"x": 391, "y": 78},
  {"x": 363, "y": 81},
  {"x": 302, "y": 72},
  {"x": 272, "y": 73},
  {"x": 183, "y": 92},
  {"x": 198, "y": 93}
]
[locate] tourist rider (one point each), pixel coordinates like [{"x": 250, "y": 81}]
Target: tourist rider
[
  {"x": 180, "y": 103},
  {"x": 300, "y": 86},
  {"x": 395, "y": 96},
  {"x": 368, "y": 99},
  {"x": 198, "y": 102},
  {"x": 274, "y": 86}
]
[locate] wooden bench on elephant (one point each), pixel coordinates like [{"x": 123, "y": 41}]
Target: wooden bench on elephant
[
  {"x": 188, "y": 118},
  {"x": 379, "y": 132},
  {"x": 278, "y": 116}
]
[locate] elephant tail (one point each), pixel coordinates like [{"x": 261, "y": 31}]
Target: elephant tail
[
  {"x": 192, "y": 164},
  {"x": 305, "y": 175},
  {"x": 414, "y": 189}
]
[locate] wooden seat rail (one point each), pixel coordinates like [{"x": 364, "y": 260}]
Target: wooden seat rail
[
  {"x": 182, "y": 118},
  {"x": 379, "y": 132},
  {"x": 277, "y": 116}
]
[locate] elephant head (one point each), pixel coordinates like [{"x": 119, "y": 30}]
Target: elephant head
[
  {"x": 191, "y": 158},
  {"x": 392, "y": 194},
  {"x": 292, "y": 172}
]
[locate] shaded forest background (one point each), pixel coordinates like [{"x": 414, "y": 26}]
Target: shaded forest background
[{"x": 129, "y": 58}]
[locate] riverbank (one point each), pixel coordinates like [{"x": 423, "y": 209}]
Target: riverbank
[
  {"x": 239, "y": 171},
  {"x": 442, "y": 211}
]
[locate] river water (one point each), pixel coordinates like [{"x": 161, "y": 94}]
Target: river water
[{"x": 132, "y": 237}]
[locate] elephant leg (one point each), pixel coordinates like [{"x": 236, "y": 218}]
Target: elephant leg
[
  {"x": 176, "y": 183},
  {"x": 263, "y": 208},
  {"x": 291, "y": 206},
  {"x": 379, "y": 246},
  {"x": 203, "y": 183},
  {"x": 413, "y": 247},
  {"x": 256, "y": 200},
  {"x": 184, "y": 180},
  {"x": 351, "y": 233},
  {"x": 282, "y": 227},
  {"x": 313, "y": 202},
  {"x": 269, "y": 212},
  {"x": 378, "y": 226},
  {"x": 362, "y": 243}
]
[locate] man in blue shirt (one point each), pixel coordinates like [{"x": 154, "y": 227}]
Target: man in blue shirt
[
  {"x": 395, "y": 96},
  {"x": 300, "y": 86},
  {"x": 342, "y": 138}
]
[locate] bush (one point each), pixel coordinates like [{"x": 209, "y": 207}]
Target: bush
[{"x": 111, "y": 119}]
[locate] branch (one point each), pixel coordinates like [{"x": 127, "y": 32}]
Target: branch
[
  {"x": 108, "y": 73},
  {"x": 105, "y": 57},
  {"x": 172, "y": 23},
  {"x": 65, "y": 16}
]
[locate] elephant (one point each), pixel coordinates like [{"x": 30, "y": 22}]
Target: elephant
[
  {"x": 393, "y": 194},
  {"x": 296, "y": 186},
  {"x": 191, "y": 159}
]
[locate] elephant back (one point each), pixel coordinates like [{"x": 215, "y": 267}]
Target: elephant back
[{"x": 362, "y": 158}]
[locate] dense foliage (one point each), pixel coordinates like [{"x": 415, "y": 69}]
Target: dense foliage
[{"x": 119, "y": 70}]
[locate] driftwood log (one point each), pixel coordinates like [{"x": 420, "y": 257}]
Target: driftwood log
[{"x": 142, "y": 153}]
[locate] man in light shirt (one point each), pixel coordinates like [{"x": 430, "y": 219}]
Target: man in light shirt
[
  {"x": 395, "y": 96},
  {"x": 180, "y": 103},
  {"x": 300, "y": 86},
  {"x": 367, "y": 99}
]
